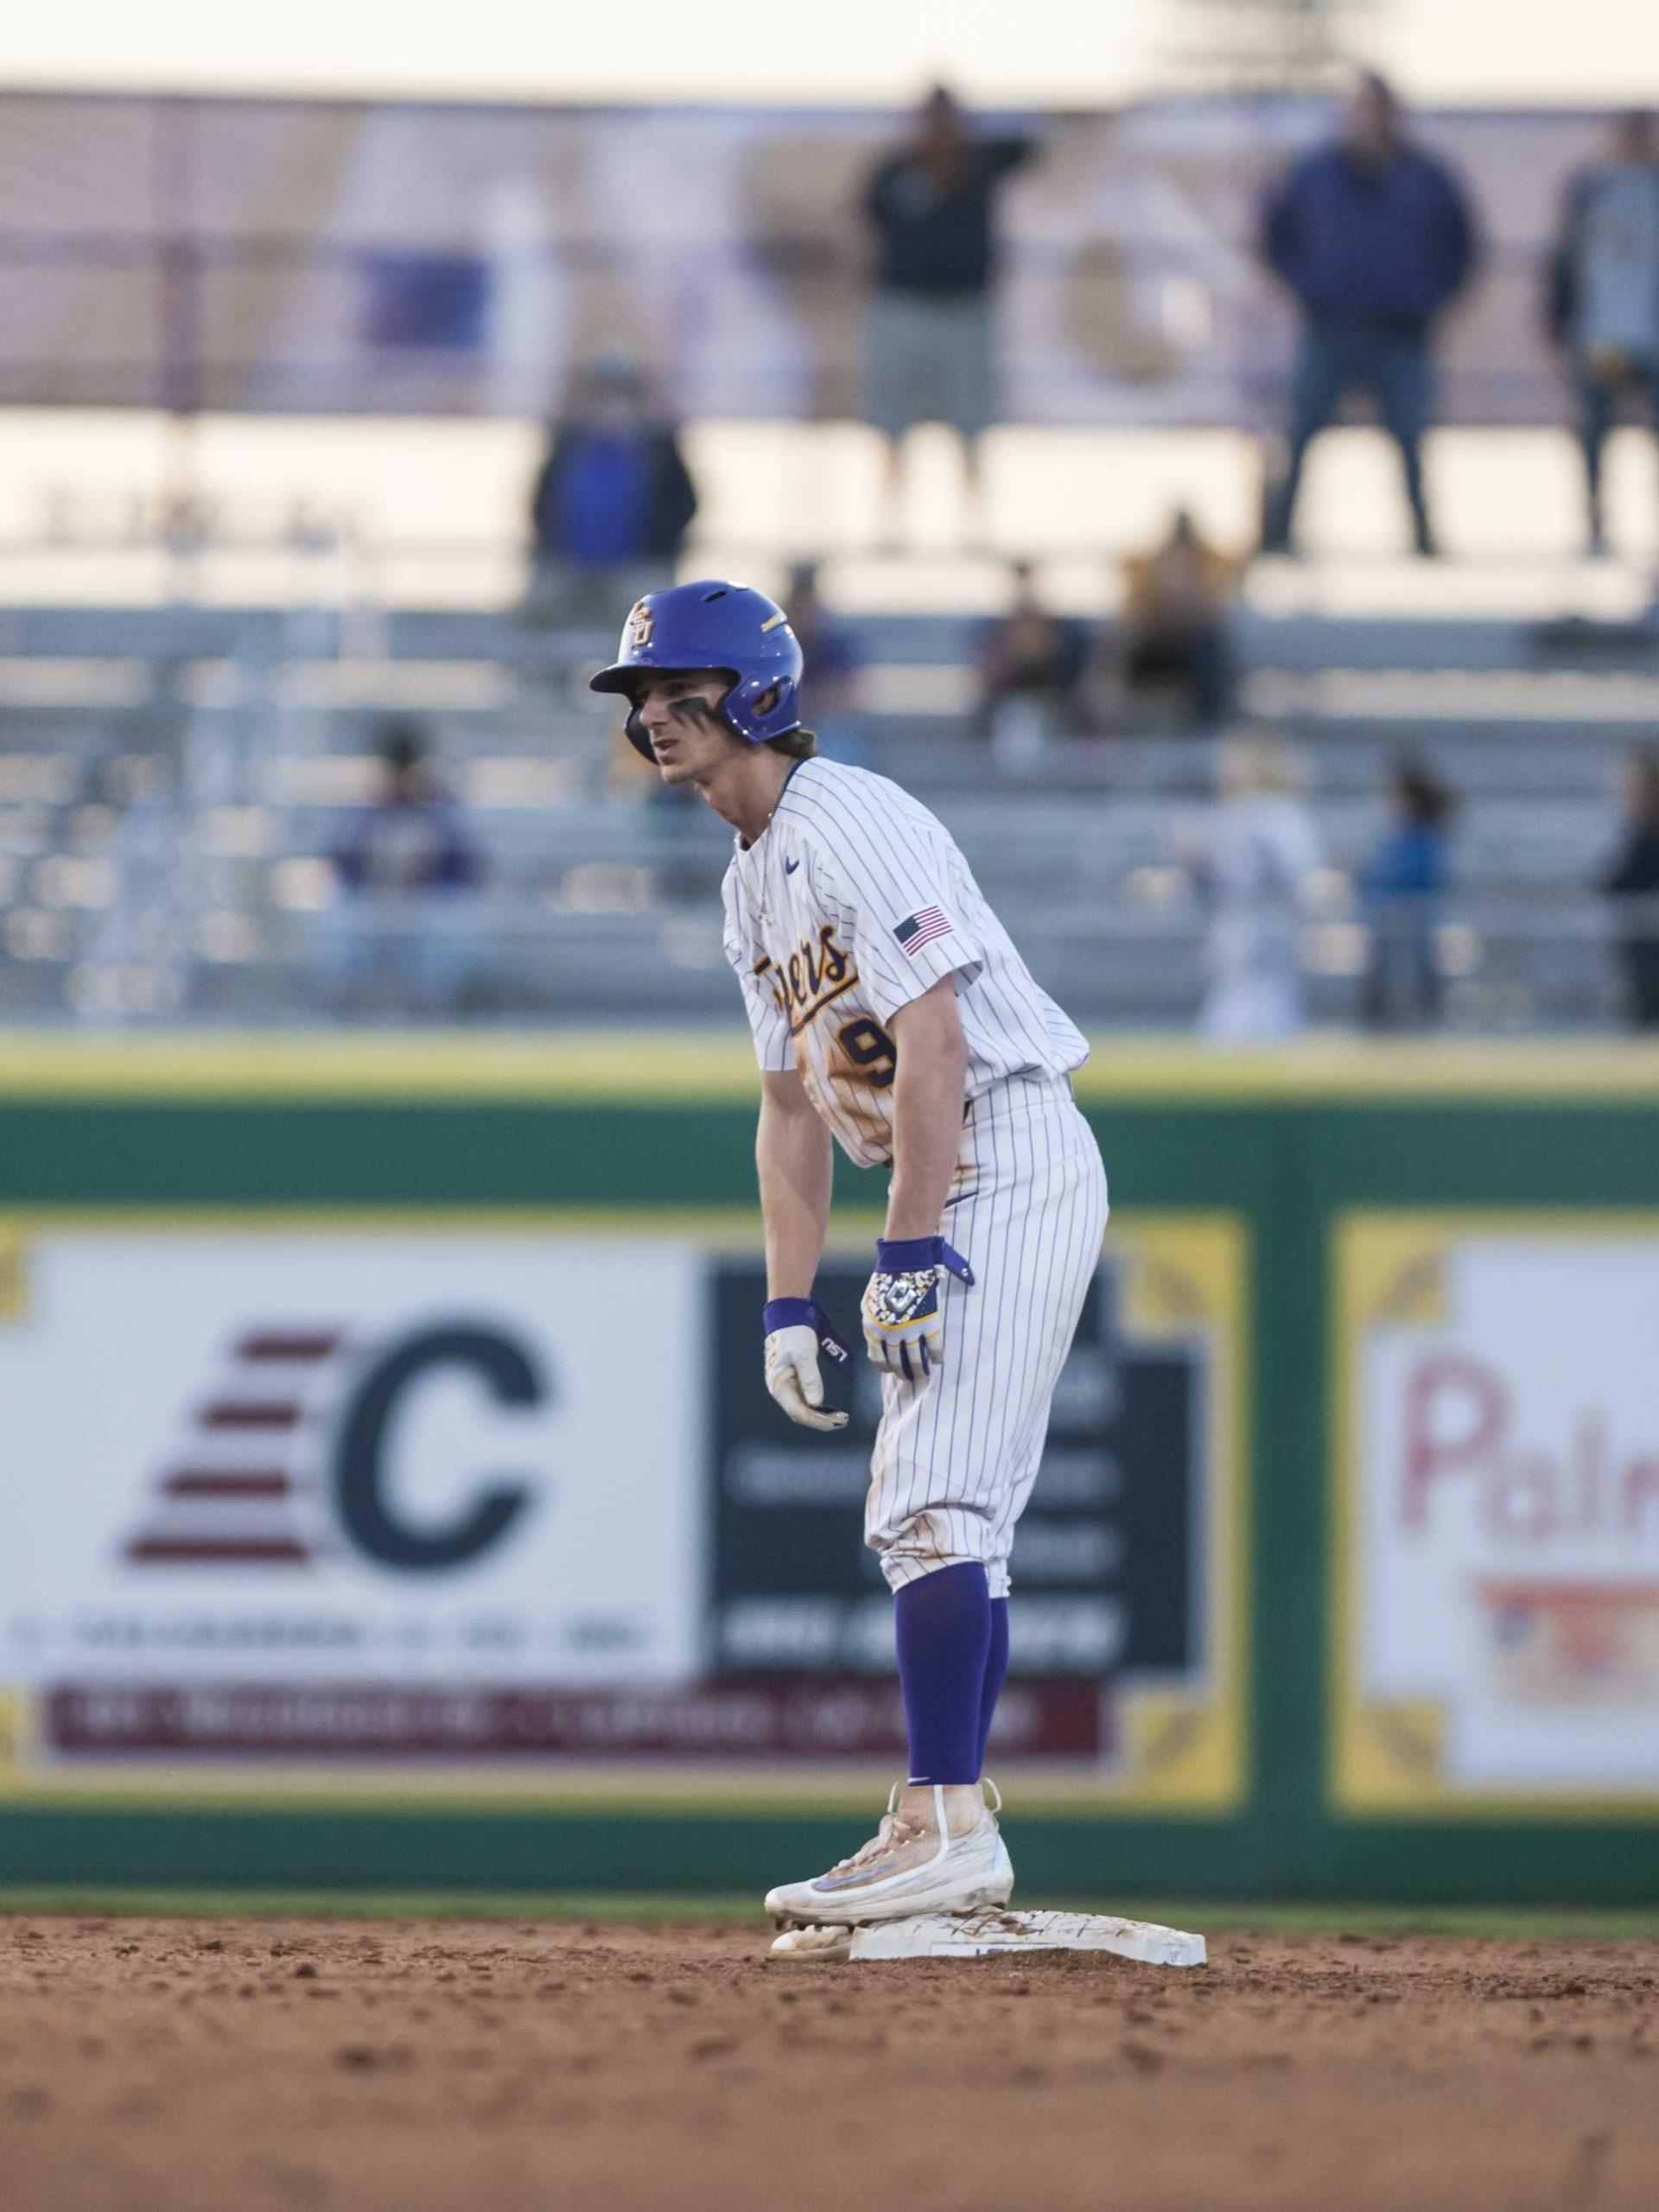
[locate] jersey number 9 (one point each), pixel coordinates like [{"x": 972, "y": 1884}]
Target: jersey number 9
[{"x": 870, "y": 1048}]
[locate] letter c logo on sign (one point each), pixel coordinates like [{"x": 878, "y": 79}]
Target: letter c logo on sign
[{"x": 367, "y": 1510}]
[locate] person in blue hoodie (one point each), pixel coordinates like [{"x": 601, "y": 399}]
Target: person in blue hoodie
[
  {"x": 1375, "y": 237},
  {"x": 612, "y": 500},
  {"x": 1403, "y": 891}
]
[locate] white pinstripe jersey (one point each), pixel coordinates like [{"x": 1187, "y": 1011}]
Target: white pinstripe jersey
[{"x": 853, "y": 902}]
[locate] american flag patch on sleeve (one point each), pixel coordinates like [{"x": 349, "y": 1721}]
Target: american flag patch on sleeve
[{"x": 919, "y": 929}]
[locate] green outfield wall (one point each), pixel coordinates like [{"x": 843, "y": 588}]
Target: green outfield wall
[{"x": 1440, "y": 1591}]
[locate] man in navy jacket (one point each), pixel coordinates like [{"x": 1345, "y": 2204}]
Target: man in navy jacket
[{"x": 1374, "y": 236}]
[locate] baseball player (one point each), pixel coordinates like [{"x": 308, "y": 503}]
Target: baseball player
[{"x": 891, "y": 1011}]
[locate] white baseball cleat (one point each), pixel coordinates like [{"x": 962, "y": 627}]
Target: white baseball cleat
[{"x": 906, "y": 1868}]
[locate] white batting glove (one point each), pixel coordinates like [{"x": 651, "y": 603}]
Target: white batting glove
[
  {"x": 903, "y": 1330},
  {"x": 797, "y": 1329}
]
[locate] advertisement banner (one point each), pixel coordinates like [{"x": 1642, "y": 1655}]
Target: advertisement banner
[
  {"x": 1124, "y": 1614},
  {"x": 500, "y": 1503},
  {"x": 324, "y": 1490},
  {"x": 1496, "y": 1514}
]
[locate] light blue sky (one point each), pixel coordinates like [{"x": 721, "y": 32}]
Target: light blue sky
[{"x": 1075, "y": 50}]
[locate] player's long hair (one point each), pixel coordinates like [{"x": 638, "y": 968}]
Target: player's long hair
[{"x": 795, "y": 745}]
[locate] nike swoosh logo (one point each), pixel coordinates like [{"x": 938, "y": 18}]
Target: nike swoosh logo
[
  {"x": 790, "y": 867},
  {"x": 878, "y": 1872}
]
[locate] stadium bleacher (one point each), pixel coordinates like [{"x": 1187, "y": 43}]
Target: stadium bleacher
[{"x": 172, "y": 780}]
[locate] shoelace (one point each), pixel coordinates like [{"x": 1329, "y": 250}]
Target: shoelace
[{"x": 892, "y": 1834}]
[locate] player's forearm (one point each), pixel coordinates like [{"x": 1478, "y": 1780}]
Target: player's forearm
[
  {"x": 927, "y": 1094},
  {"x": 792, "y": 1153}
]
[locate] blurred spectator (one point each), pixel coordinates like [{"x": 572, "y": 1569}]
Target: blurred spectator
[
  {"x": 1402, "y": 888},
  {"x": 1633, "y": 880},
  {"x": 1173, "y": 631},
  {"x": 1374, "y": 236},
  {"x": 614, "y": 499},
  {"x": 402, "y": 945},
  {"x": 1603, "y": 293},
  {"x": 832, "y": 665},
  {"x": 1254, "y": 862},
  {"x": 931, "y": 347},
  {"x": 1031, "y": 668}
]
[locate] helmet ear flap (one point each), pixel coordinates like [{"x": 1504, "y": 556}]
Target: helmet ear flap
[{"x": 760, "y": 707}]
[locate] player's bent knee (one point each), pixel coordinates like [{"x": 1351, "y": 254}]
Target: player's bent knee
[{"x": 925, "y": 1543}]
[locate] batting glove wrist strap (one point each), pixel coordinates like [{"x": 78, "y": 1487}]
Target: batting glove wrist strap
[
  {"x": 910, "y": 1255},
  {"x": 807, "y": 1313}
]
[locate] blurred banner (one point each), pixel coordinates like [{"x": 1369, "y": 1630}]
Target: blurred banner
[
  {"x": 1497, "y": 1513},
  {"x": 329, "y": 257},
  {"x": 487, "y": 1506}
]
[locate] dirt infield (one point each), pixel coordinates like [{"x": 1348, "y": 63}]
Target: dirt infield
[{"x": 233, "y": 2066}]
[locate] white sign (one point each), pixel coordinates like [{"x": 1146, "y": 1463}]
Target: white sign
[
  {"x": 1503, "y": 1502},
  {"x": 352, "y": 1456}
]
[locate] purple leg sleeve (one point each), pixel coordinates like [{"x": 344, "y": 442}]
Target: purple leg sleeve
[
  {"x": 996, "y": 1667},
  {"x": 944, "y": 1624}
]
